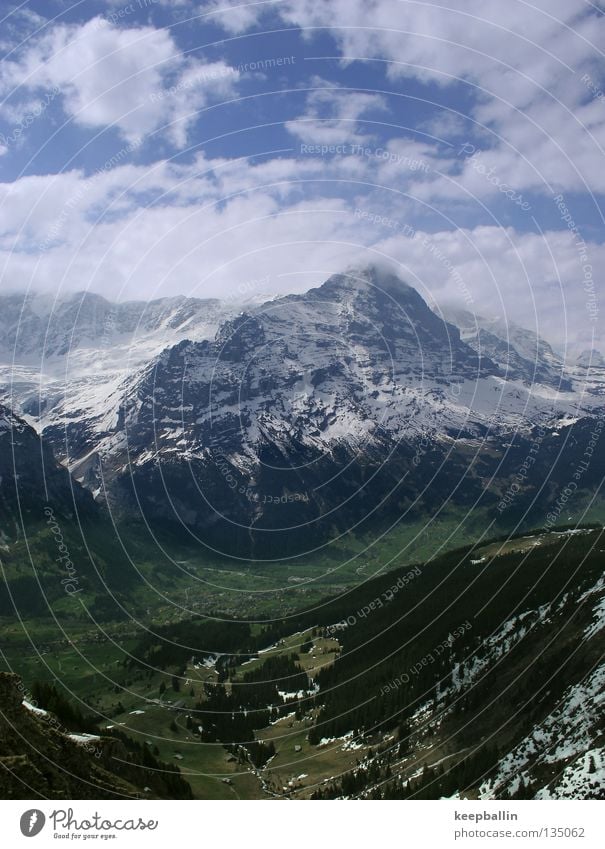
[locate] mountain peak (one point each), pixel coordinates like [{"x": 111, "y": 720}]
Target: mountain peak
[{"x": 373, "y": 277}]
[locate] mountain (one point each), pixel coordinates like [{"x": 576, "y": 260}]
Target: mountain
[
  {"x": 31, "y": 479},
  {"x": 588, "y": 371},
  {"x": 39, "y": 328},
  {"x": 313, "y": 414},
  {"x": 308, "y": 414},
  {"x": 520, "y": 353},
  {"x": 218, "y": 433},
  {"x": 592, "y": 359},
  {"x": 63, "y": 360}
]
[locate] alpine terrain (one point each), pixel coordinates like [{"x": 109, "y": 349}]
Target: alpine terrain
[{"x": 328, "y": 411}]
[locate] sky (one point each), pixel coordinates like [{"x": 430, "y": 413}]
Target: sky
[{"x": 225, "y": 149}]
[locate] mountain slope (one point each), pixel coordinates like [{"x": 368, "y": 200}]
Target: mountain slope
[
  {"x": 497, "y": 697},
  {"x": 313, "y": 412},
  {"x": 63, "y": 361},
  {"x": 57, "y": 546},
  {"x": 31, "y": 478},
  {"x": 521, "y": 354},
  {"x": 40, "y": 759}
]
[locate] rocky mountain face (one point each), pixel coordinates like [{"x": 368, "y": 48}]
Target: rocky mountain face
[
  {"x": 591, "y": 359},
  {"x": 307, "y": 415},
  {"x": 31, "y": 479}
]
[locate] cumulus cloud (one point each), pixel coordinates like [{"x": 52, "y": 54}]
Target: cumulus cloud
[
  {"x": 234, "y": 16},
  {"x": 522, "y": 66},
  {"x": 204, "y": 227},
  {"x": 332, "y": 114},
  {"x": 534, "y": 126},
  {"x": 134, "y": 79}
]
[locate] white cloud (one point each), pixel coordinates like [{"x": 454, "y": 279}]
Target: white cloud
[
  {"x": 522, "y": 64},
  {"x": 234, "y": 16},
  {"x": 134, "y": 79},
  {"x": 332, "y": 114},
  {"x": 462, "y": 38},
  {"x": 203, "y": 228}
]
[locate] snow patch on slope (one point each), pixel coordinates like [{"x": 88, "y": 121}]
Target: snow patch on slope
[{"x": 565, "y": 735}]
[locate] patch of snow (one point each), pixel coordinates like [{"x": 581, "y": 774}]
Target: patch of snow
[
  {"x": 583, "y": 778},
  {"x": 83, "y": 738},
  {"x": 599, "y": 623},
  {"x": 325, "y": 741},
  {"x": 34, "y": 709},
  {"x": 281, "y": 718}
]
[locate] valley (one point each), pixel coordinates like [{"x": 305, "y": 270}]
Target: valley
[
  {"x": 418, "y": 720},
  {"x": 302, "y": 420},
  {"x": 330, "y": 545}
]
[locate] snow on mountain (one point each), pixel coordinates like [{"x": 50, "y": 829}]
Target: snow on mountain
[
  {"x": 38, "y": 328},
  {"x": 521, "y": 353},
  {"x": 567, "y": 740},
  {"x": 583, "y": 778},
  {"x": 566, "y": 746},
  {"x": 357, "y": 358},
  {"x": 216, "y": 414},
  {"x": 592, "y": 359},
  {"x": 63, "y": 361},
  {"x": 588, "y": 375},
  {"x": 76, "y": 359}
]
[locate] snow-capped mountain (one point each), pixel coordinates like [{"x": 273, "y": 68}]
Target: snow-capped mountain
[
  {"x": 40, "y": 328},
  {"x": 588, "y": 374},
  {"x": 350, "y": 398},
  {"x": 521, "y": 354},
  {"x": 63, "y": 360}
]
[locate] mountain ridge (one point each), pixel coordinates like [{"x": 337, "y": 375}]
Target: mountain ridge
[{"x": 305, "y": 410}]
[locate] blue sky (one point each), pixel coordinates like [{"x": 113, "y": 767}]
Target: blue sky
[{"x": 216, "y": 148}]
